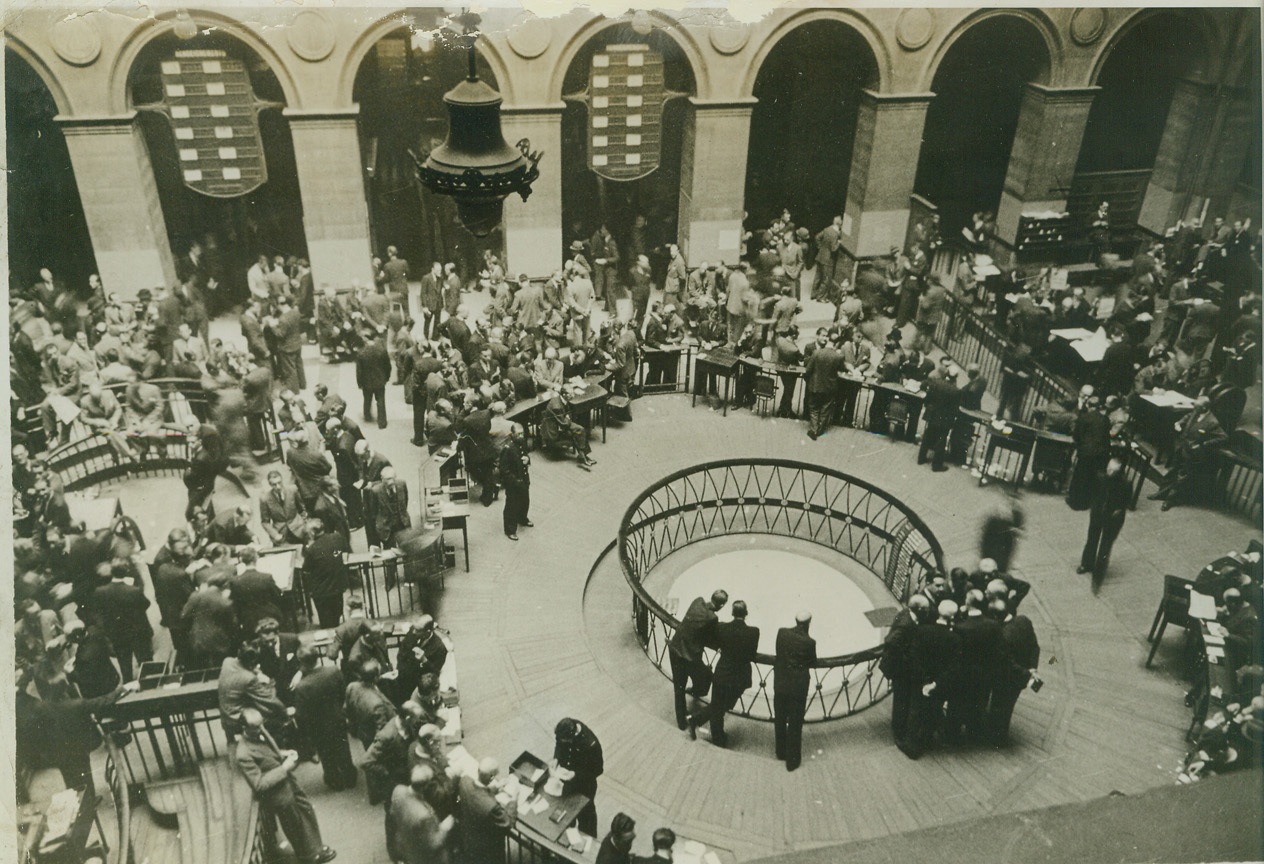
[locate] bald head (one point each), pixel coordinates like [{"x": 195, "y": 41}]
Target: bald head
[
  {"x": 488, "y": 768},
  {"x": 803, "y": 618},
  {"x": 947, "y": 610}
]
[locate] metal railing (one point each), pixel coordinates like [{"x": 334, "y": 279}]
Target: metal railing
[
  {"x": 788, "y": 499},
  {"x": 121, "y": 794}
]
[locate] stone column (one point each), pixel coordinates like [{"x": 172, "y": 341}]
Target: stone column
[
  {"x": 713, "y": 180},
  {"x": 1051, "y": 125},
  {"x": 120, "y": 202},
  {"x": 533, "y": 228},
  {"x": 331, "y": 184},
  {"x": 883, "y": 167},
  {"x": 1188, "y": 118}
]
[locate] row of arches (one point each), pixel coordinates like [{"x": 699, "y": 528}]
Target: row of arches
[{"x": 809, "y": 81}]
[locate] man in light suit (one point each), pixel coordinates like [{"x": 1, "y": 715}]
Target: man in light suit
[
  {"x": 269, "y": 771},
  {"x": 388, "y": 504},
  {"x": 738, "y": 644},
  {"x": 827, "y": 243},
  {"x": 242, "y": 687},
  {"x": 430, "y": 301},
  {"x": 281, "y": 512},
  {"x": 414, "y": 832},
  {"x": 484, "y": 821}
]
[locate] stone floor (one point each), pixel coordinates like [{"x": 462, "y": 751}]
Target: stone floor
[{"x": 538, "y": 640}]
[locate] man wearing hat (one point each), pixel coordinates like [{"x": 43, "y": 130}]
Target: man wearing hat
[{"x": 578, "y": 256}]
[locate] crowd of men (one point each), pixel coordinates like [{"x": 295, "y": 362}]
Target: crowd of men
[{"x": 84, "y": 360}]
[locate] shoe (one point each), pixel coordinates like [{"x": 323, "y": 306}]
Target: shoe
[
  {"x": 417, "y": 443},
  {"x": 583, "y": 465},
  {"x": 527, "y": 524},
  {"x": 812, "y": 434},
  {"x": 790, "y": 766},
  {"x": 1167, "y": 505},
  {"x": 513, "y": 537},
  {"x": 921, "y": 460},
  {"x": 691, "y": 729},
  {"x": 1157, "y": 496},
  {"x": 325, "y": 854},
  {"x": 589, "y": 460},
  {"x": 1081, "y": 570},
  {"x": 938, "y": 468}
]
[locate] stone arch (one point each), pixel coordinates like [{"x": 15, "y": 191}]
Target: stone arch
[
  {"x": 151, "y": 28},
  {"x": 671, "y": 27},
  {"x": 364, "y": 43},
  {"x": 1037, "y": 19},
  {"x": 23, "y": 52},
  {"x": 850, "y": 17},
  {"x": 1201, "y": 65}
]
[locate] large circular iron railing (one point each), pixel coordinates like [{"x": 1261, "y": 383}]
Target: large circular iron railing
[{"x": 790, "y": 499}]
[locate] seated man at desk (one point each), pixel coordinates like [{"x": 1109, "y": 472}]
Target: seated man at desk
[
  {"x": 1198, "y": 435},
  {"x": 557, "y": 426}
]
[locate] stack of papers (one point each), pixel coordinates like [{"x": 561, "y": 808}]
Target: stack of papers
[
  {"x": 1092, "y": 349},
  {"x": 1202, "y": 606}
]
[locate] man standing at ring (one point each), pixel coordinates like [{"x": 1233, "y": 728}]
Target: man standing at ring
[
  {"x": 696, "y": 631},
  {"x": 796, "y": 653},
  {"x": 738, "y": 644}
]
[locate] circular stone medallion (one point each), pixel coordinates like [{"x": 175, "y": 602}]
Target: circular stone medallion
[
  {"x": 729, "y": 38},
  {"x": 76, "y": 40},
  {"x": 1088, "y": 24},
  {"x": 310, "y": 35},
  {"x": 529, "y": 36},
  {"x": 914, "y": 28}
]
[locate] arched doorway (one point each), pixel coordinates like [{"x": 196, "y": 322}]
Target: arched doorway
[
  {"x": 1138, "y": 80},
  {"x": 233, "y": 231},
  {"x": 803, "y": 127},
  {"x": 46, "y": 222},
  {"x": 587, "y": 199},
  {"x": 971, "y": 122},
  {"x": 399, "y": 87}
]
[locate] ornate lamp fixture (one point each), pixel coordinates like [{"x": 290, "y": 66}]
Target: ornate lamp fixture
[{"x": 475, "y": 164}]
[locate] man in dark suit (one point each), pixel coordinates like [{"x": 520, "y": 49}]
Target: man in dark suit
[
  {"x": 119, "y": 607},
  {"x": 940, "y": 409},
  {"x": 578, "y": 758},
  {"x": 172, "y": 588},
  {"x": 242, "y": 687},
  {"x": 373, "y": 373},
  {"x": 269, "y": 771},
  {"x": 252, "y": 331},
  {"x": 897, "y": 662},
  {"x": 981, "y": 657},
  {"x": 332, "y": 511},
  {"x": 695, "y": 632},
  {"x": 325, "y": 575},
  {"x": 1020, "y": 657},
  {"x": 278, "y": 655},
  {"x": 738, "y": 644},
  {"x": 308, "y": 467},
  {"x": 484, "y": 821},
  {"x": 366, "y": 707},
  {"x": 389, "y": 506},
  {"x": 255, "y": 595},
  {"x": 430, "y": 303},
  {"x": 281, "y": 512},
  {"x": 318, "y": 696},
  {"x": 796, "y": 653},
  {"x": 232, "y": 527},
  {"x": 287, "y": 330},
  {"x": 936, "y": 654},
  {"x": 515, "y": 477},
  {"x": 1106, "y": 519},
  {"x": 821, "y": 377}
]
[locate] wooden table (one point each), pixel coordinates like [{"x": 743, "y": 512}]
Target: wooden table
[{"x": 913, "y": 399}]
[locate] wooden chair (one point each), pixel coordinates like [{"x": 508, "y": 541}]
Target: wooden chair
[
  {"x": 1173, "y": 609},
  {"x": 765, "y": 393}
]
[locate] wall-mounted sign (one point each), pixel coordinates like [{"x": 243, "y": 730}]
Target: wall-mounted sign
[{"x": 214, "y": 117}]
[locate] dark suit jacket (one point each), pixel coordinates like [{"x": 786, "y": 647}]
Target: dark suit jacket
[
  {"x": 484, "y": 822},
  {"x": 260, "y": 763},
  {"x": 1021, "y": 651},
  {"x": 796, "y": 652},
  {"x": 371, "y": 468},
  {"x": 581, "y": 754},
  {"x": 373, "y": 366},
  {"x": 514, "y": 467},
  {"x": 255, "y": 597},
  {"x": 981, "y": 651},
  {"x": 324, "y": 566},
  {"x": 367, "y": 710},
  {"x": 121, "y": 610},
  {"x": 172, "y": 587},
  {"x": 738, "y": 644},
  {"x": 309, "y": 469},
  {"x": 318, "y": 697},
  {"x": 942, "y": 397},
  {"x": 896, "y": 662},
  {"x": 822, "y": 370},
  {"x": 240, "y": 688},
  {"x": 280, "y": 665},
  {"x": 389, "y": 508},
  {"x": 696, "y": 630},
  {"x": 936, "y": 653}
]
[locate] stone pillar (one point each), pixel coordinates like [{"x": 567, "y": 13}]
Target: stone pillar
[
  {"x": 533, "y": 228},
  {"x": 713, "y": 180},
  {"x": 120, "y": 203},
  {"x": 883, "y": 167},
  {"x": 1051, "y": 125},
  {"x": 331, "y": 184},
  {"x": 1175, "y": 164}
]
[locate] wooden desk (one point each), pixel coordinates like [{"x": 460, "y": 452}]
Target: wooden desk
[
  {"x": 720, "y": 362},
  {"x": 912, "y": 399},
  {"x": 455, "y": 516},
  {"x": 96, "y": 514}
]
